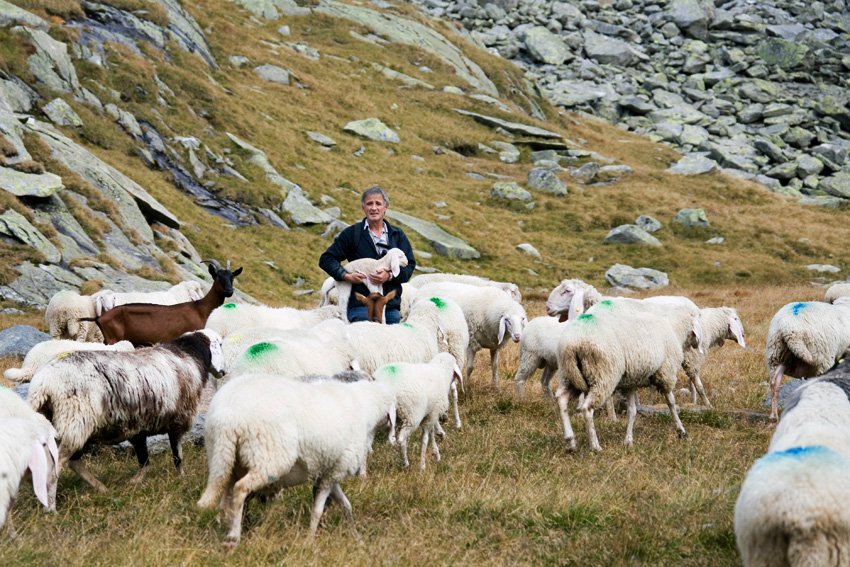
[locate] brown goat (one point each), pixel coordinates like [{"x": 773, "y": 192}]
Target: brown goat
[
  {"x": 375, "y": 304},
  {"x": 147, "y": 323}
]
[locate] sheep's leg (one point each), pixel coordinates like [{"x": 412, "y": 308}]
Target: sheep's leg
[
  {"x": 523, "y": 373},
  {"x": 470, "y": 362},
  {"x": 336, "y": 494},
  {"x": 563, "y": 397},
  {"x": 174, "y": 439},
  {"x": 140, "y": 444},
  {"x": 609, "y": 406},
  {"x": 423, "y": 453},
  {"x": 697, "y": 388},
  {"x": 546, "y": 380},
  {"x": 587, "y": 410},
  {"x": 671, "y": 403},
  {"x": 632, "y": 412},
  {"x": 454, "y": 404},
  {"x": 494, "y": 365},
  {"x": 434, "y": 448},
  {"x": 10, "y": 525},
  {"x": 243, "y": 487},
  {"x": 320, "y": 496},
  {"x": 776, "y": 380},
  {"x": 401, "y": 439},
  {"x": 77, "y": 466}
]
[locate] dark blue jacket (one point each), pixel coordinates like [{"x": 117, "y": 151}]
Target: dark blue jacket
[{"x": 354, "y": 243}]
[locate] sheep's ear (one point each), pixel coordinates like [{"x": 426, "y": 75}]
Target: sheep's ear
[
  {"x": 54, "y": 452},
  {"x": 38, "y": 465},
  {"x": 576, "y": 305},
  {"x": 394, "y": 265},
  {"x": 502, "y": 324},
  {"x": 391, "y": 420},
  {"x": 698, "y": 333},
  {"x": 737, "y": 329}
]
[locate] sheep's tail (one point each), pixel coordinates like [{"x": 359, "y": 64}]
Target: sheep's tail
[
  {"x": 17, "y": 375},
  {"x": 327, "y": 286},
  {"x": 799, "y": 348},
  {"x": 574, "y": 367},
  {"x": 37, "y": 396},
  {"x": 221, "y": 454}
]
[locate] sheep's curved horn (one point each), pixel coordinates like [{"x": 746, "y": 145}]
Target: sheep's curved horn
[{"x": 214, "y": 263}]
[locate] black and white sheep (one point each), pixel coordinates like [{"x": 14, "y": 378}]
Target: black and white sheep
[{"x": 116, "y": 396}]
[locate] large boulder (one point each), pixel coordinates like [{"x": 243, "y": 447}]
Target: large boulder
[
  {"x": 373, "y": 129},
  {"x": 546, "y": 47},
  {"x": 692, "y": 217},
  {"x": 444, "y": 243},
  {"x": 620, "y": 275},
  {"x": 17, "y": 340},
  {"x": 630, "y": 234}
]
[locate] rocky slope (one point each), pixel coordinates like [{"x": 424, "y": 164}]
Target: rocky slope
[{"x": 759, "y": 89}]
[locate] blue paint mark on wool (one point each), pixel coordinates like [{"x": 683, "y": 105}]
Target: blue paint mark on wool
[
  {"x": 797, "y": 307},
  {"x": 800, "y": 454}
]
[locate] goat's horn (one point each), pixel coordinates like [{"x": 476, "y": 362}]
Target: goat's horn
[
  {"x": 228, "y": 265},
  {"x": 214, "y": 263}
]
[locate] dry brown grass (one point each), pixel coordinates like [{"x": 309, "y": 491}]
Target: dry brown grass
[{"x": 506, "y": 491}]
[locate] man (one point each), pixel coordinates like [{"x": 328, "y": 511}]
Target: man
[{"x": 369, "y": 238}]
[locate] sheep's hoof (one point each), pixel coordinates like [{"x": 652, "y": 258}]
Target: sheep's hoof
[
  {"x": 683, "y": 434},
  {"x": 596, "y": 448},
  {"x": 230, "y": 543},
  {"x": 571, "y": 445}
]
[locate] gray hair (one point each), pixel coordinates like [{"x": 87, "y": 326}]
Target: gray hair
[{"x": 373, "y": 191}]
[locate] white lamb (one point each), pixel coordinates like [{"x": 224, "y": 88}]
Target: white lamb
[
  {"x": 392, "y": 262},
  {"x": 236, "y": 343},
  {"x": 718, "y": 324},
  {"x": 47, "y": 350},
  {"x": 422, "y": 397},
  {"x": 457, "y": 337},
  {"x": 416, "y": 340},
  {"x": 233, "y": 317},
  {"x": 616, "y": 350},
  {"x": 27, "y": 440},
  {"x": 63, "y": 314},
  {"x": 539, "y": 349},
  {"x": 792, "y": 509},
  {"x": 805, "y": 339},
  {"x": 264, "y": 433},
  {"x": 836, "y": 290},
  {"x": 492, "y": 317},
  {"x": 189, "y": 290},
  {"x": 293, "y": 357}
]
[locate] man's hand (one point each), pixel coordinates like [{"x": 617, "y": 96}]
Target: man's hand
[
  {"x": 379, "y": 277},
  {"x": 354, "y": 277}
]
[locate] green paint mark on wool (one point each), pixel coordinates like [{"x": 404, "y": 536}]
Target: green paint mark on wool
[
  {"x": 391, "y": 369},
  {"x": 587, "y": 318},
  {"x": 607, "y": 303},
  {"x": 438, "y": 302},
  {"x": 229, "y": 306},
  {"x": 407, "y": 325},
  {"x": 259, "y": 350}
]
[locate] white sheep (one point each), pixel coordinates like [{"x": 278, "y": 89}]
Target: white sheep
[
  {"x": 493, "y": 318},
  {"x": 236, "y": 343},
  {"x": 422, "y": 397},
  {"x": 46, "y": 350},
  {"x": 232, "y": 317},
  {"x": 616, "y": 349},
  {"x": 792, "y": 509},
  {"x": 538, "y": 349},
  {"x": 416, "y": 340},
  {"x": 27, "y": 440},
  {"x": 293, "y": 357},
  {"x": 457, "y": 338},
  {"x": 189, "y": 290},
  {"x": 836, "y": 290},
  {"x": 805, "y": 339},
  {"x": 392, "y": 262},
  {"x": 572, "y": 297},
  {"x": 117, "y": 396},
  {"x": 63, "y": 314},
  {"x": 718, "y": 324},
  {"x": 510, "y": 288},
  {"x": 264, "y": 433}
]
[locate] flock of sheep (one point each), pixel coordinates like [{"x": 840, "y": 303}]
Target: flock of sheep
[{"x": 301, "y": 394}]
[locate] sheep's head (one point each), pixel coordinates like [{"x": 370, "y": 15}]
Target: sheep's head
[
  {"x": 216, "y": 353},
  {"x": 566, "y": 300},
  {"x": 736, "y": 328},
  {"x": 512, "y": 324}
]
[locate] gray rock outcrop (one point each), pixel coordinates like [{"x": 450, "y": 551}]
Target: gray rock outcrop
[
  {"x": 444, "y": 243},
  {"x": 620, "y": 275}
]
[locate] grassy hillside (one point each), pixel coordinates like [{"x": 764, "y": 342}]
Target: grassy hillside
[{"x": 768, "y": 238}]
